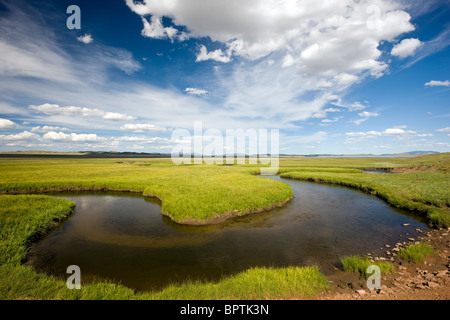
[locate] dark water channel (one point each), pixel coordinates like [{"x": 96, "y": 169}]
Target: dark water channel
[{"x": 123, "y": 237}]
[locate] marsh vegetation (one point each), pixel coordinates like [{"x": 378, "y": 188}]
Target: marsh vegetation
[{"x": 197, "y": 194}]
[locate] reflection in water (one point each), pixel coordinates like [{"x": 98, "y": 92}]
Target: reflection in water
[
  {"x": 124, "y": 237},
  {"x": 376, "y": 171}
]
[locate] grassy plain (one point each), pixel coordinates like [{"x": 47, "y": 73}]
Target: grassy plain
[
  {"x": 193, "y": 194},
  {"x": 189, "y": 194}
]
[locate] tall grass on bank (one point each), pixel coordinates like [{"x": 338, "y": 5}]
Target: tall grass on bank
[
  {"x": 359, "y": 264},
  {"x": 416, "y": 252},
  {"x": 23, "y": 219},
  {"x": 255, "y": 283}
]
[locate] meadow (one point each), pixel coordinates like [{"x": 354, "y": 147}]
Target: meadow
[{"x": 193, "y": 194}]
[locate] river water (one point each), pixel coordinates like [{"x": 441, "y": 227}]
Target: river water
[{"x": 124, "y": 238}]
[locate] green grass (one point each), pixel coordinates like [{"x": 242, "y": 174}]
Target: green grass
[
  {"x": 255, "y": 283},
  {"x": 425, "y": 192},
  {"x": 22, "y": 282},
  {"x": 23, "y": 218},
  {"x": 189, "y": 194},
  {"x": 359, "y": 264},
  {"x": 416, "y": 252},
  {"x": 194, "y": 194}
]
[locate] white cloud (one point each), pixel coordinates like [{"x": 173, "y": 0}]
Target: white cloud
[
  {"x": 432, "y": 46},
  {"x": 196, "y": 91},
  {"x": 6, "y": 124},
  {"x": 365, "y": 115},
  {"x": 445, "y": 130},
  {"x": 19, "y": 136},
  {"x": 406, "y": 47},
  {"x": 424, "y": 135},
  {"x": 288, "y": 61},
  {"x": 216, "y": 55},
  {"x": 155, "y": 29},
  {"x": 396, "y": 132},
  {"x": 61, "y": 136},
  {"x": 346, "y": 79},
  {"x": 364, "y": 134},
  {"x": 114, "y": 116},
  {"x": 336, "y": 119},
  {"x": 368, "y": 114},
  {"x": 142, "y": 128},
  {"x": 434, "y": 83},
  {"x": 48, "y": 129},
  {"x": 86, "y": 39},
  {"x": 54, "y": 109},
  {"x": 355, "y": 106},
  {"x": 319, "y": 115},
  {"x": 312, "y": 35},
  {"x": 332, "y": 110}
]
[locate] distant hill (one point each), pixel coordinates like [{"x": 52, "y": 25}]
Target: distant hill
[
  {"x": 422, "y": 152},
  {"x": 412, "y": 153},
  {"x": 83, "y": 154},
  {"x": 113, "y": 154}
]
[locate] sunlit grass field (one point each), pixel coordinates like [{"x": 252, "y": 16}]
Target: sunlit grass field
[
  {"x": 193, "y": 194},
  {"x": 189, "y": 194}
]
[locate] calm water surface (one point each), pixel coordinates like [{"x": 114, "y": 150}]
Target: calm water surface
[{"x": 124, "y": 238}]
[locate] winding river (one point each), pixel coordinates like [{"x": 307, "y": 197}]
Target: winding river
[{"x": 124, "y": 238}]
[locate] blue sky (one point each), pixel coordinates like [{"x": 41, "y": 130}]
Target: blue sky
[{"x": 336, "y": 77}]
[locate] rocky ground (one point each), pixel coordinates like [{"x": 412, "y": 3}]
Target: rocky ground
[{"x": 427, "y": 280}]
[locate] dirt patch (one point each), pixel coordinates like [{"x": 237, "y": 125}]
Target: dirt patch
[
  {"x": 413, "y": 169},
  {"x": 427, "y": 280},
  {"x": 402, "y": 170}
]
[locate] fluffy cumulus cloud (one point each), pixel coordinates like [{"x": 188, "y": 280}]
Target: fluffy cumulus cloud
[
  {"x": 61, "y": 136},
  {"x": 216, "y": 55},
  {"x": 19, "y": 136},
  {"x": 6, "y": 124},
  {"x": 86, "y": 39},
  {"x": 406, "y": 47},
  {"x": 398, "y": 133},
  {"x": 155, "y": 29},
  {"x": 311, "y": 35},
  {"x": 435, "y": 83}
]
